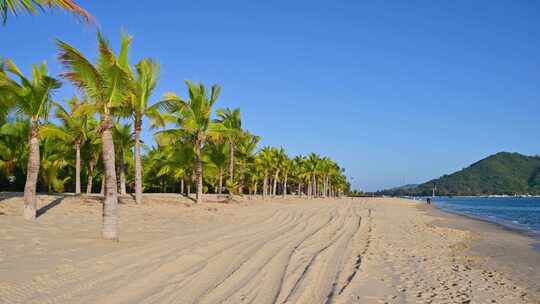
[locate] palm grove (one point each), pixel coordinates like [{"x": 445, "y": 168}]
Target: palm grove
[{"x": 94, "y": 139}]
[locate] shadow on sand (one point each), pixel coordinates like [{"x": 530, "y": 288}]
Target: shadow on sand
[
  {"x": 8, "y": 195},
  {"x": 49, "y": 206}
]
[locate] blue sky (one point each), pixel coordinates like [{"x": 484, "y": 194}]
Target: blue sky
[{"x": 396, "y": 91}]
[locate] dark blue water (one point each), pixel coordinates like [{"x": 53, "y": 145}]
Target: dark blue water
[{"x": 516, "y": 213}]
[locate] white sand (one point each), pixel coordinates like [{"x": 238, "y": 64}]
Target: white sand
[{"x": 295, "y": 251}]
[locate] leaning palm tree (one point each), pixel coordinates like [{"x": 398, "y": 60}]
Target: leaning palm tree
[
  {"x": 192, "y": 117},
  {"x": 73, "y": 131},
  {"x": 144, "y": 83},
  {"x": 16, "y": 7},
  {"x": 232, "y": 130},
  {"x": 106, "y": 85},
  {"x": 33, "y": 99}
]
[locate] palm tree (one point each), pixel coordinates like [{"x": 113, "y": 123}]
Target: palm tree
[
  {"x": 106, "y": 85},
  {"x": 232, "y": 130},
  {"x": 312, "y": 172},
  {"x": 278, "y": 157},
  {"x": 33, "y": 99},
  {"x": 192, "y": 117},
  {"x": 15, "y": 7},
  {"x": 247, "y": 144},
  {"x": 217, "y": 154},
  {"x": 286, "y": 165},
  {"x": 53, "y": 160},
  {"x": 264, "y": 160},
  {"x": 176, "y": 163},
  {"x": 144, "y": 83},
  {"x": 123, "y": 141},
  {"x": 74, "y": 131},
  {"x": 299, "y": 173},
  {"x": 90, "y": 150}
]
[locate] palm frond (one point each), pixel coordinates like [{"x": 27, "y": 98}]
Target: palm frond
[{"x": 80, "y": 71}]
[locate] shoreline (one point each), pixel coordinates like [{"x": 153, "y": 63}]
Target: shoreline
[
  {"x": 509, "y": 251},
  {"x": 533, "y": 234}
]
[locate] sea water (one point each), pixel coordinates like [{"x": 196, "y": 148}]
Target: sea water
[{"x": 519, "y": 213}]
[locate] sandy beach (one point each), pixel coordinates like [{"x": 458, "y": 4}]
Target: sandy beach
[{"x": 252, "y": 251}]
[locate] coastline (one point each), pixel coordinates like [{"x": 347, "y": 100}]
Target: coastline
[
  {"x": 513, "y": 252},
  {"x": 533, "y": 234}
]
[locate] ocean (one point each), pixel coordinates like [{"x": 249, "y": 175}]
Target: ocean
[{"x": 522, "y": 214}]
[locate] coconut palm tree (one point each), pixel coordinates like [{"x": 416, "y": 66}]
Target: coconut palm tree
[
  {"x": 217, "y": 154},
  {"x": 232, "y": 130},
  {"x": 192, "y": 118},
  {"x": 312, "y": 172},
  {"x": 53, "y": 160},
  {"x": 106, "y": 85},
  {"x": 73, "y": 131},
  {"x": 153, "y": 161},
  {"x": 90, "y": 151},
  {"x": 144, "y": 83},
  {"x": 32, "y": 99},
  {"x": 264, "y": 160},
  {"x": 123, "y": 142},
  {"x": 277, "y": 158},
  {"x": 286, "y": 165},
  {"x": 16, "y": 7},
  {"x": 245, "y": 148}
]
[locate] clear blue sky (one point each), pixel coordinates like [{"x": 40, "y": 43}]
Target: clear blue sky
[{"x": 396, "y": 91}]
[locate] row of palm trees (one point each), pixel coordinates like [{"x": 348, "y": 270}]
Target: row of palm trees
[{"x": 104, "y": 127}]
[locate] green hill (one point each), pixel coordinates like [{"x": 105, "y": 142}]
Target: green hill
[{"x": 502, "y": 173}]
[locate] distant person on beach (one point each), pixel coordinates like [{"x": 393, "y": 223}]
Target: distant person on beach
[{"x": 429, "y": 201}]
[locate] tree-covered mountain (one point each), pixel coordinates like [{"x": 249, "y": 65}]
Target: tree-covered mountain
[{"x": 501, "y": 173}]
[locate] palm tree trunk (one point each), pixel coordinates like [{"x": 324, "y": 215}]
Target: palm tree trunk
[
  {"x": 110, "y": 205},
  {"x": 188, "y": 187},
  {"x": 285, "y": 186},
  {"x": 122, "y": 168},
  {"x": 326, "y": 188},
  {"x": 182, "y": 186},
  {"x": 198, "y": 172},
  {"x": 102, "y": 190},
  {"x": 265, "y": 185},
  {"x": 138, "y": 165},
  {"x": 77, "y": 168},
  {"x": 220, "y": 187},
  {"x": 314, "y": 183},
  {"x": 32, "y": 171},
  {"x": 274, "y": 188},
  {"x": 90, "y": 182},
  {"x": 241, "y": 179},
  {"x": 231, "y": 161}
]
